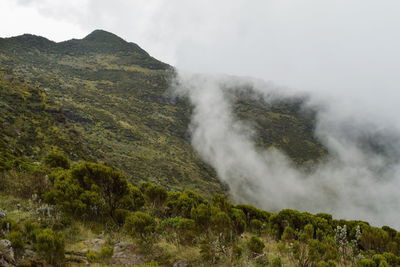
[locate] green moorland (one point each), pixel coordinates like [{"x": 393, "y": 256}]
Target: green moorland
[{"x": 94, "y": 152}]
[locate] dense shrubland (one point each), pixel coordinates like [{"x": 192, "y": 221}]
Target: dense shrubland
[{"x": 214, "y": 230}]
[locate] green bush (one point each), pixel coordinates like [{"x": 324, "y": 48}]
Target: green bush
[
  {"x": 373, "y": 238},
  {"x": 329, "y": 263},
  {"x": 140, "y": 224},
  {"x": 391, "y": 258},
  {"x": 288, "y": 234},
  {"x": 276, "y": 262},
  {"x": 366, "y": 263},
  {"x": 221, "y": 203},
  {"x": 181, "y": 204},
  {"x": 221, "y": 222},
  {"x": 255, "y": 245},
  {"x": 155, "y": 194},
  {"x": 238, "y": 220},
  {"x": 256, "y": 226},
  {"x": 201, "y": 215},
  {"x": 50, "y": 245},
  {"x": 252, "y": 213},
  {"x": 93, "y": 191},
  {"x": 17, "y": 240},
  {"x": 183, "y": 227},
  {"x": 56, "y": 160},
  {"x": 307, "y": 233}
]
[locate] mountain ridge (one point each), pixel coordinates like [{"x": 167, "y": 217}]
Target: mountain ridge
[{"x": 111, "y": 100}]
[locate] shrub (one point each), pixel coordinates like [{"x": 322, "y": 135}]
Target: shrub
[
  {"x": 17, "y": 240},
  {"x": 379, "y": 259},
  {"x": 155, "y": 194},
  {"x": 255, "y": 245},
  {"x": 391, "y": 258},
  {"x": 56, "y": 160},
  {"x": 201, "y": 215},
  {"x": 373, "y": 238},
  {"x": 183, "y": 227},
  {"x": 140, "y": 224},
  {"x": 7, "y": 225},
  {"x": 181, "y": 204},
  {"x": 256, "y": 226},
  {"x": 136, "y": 197},
  {"x": 238, "y": 220},
  {"x": 307, "y": 233},
  {"x": 254, "y": 213},
  {"x": 93, "y": 190},
  {"x": 288, "y": 234},
  {"x": 105, "y": 253},
  {"x": 221, "y": 222},
  {"x": 329, "y": 263},
  {"x": 366, "y": 263},
  {"x": 276, "y": 262},
  {"x": 50, "y": 245},
  {"x": 221, "y": 203},
  {"x": 120, "y": 216}
]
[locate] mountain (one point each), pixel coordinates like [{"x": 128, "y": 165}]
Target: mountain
[{"x": 106, "y": 100}]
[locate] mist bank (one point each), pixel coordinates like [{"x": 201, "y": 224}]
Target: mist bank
[{"x": 358, "y": 180}]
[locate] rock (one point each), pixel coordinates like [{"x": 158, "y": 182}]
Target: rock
[
  {"x": 29, "y": 254},
  {"x": 76, "y": 257},
  {"x": 126, "y": 254},
  {"x": 93, "y": 245},
  {"x": 181, "y": 263},
  {"x": 3, "y": 214},
  {"x": 29, "y": 258},
  {"x": 6, "y": 252}
]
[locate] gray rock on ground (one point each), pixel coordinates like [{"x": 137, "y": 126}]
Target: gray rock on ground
[
  {"x": 3, "y": 214},
  {"x": 181, "y": 263},
  {"x": 6, "y": 253},
  {"x": 126, "y": 254},
  {"x": 93, "y": 245}
]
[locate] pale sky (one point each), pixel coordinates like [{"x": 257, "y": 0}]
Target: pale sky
[{"x": 349, "y": 49}]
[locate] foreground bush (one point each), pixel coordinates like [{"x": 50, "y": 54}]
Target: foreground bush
[
  {"x": 255, "y": 245},
  {"x": 50, "y": 245},
  {"x": 140, "y": 224},
  {"x": 93, "y": 191}
]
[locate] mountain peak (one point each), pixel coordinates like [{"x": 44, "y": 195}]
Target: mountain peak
[{"x": 103, "y": 36}]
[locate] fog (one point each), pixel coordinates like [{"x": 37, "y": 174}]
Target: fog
[{"x": 358, "y": 181}]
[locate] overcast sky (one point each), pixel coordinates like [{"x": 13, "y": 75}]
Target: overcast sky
[{"x": 346, "y": 48}]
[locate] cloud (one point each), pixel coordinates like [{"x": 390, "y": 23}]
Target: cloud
[{"x": 359, "y": 181}]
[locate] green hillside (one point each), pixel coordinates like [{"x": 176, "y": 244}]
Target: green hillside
[{"x": 106, "y": 100}]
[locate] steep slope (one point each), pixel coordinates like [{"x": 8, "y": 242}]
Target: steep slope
[{"x": 104, "y": 99}]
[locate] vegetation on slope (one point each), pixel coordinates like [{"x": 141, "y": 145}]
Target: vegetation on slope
[
  {"x": 55, "y": 206},
  {"x": 105, "y": 100}
]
